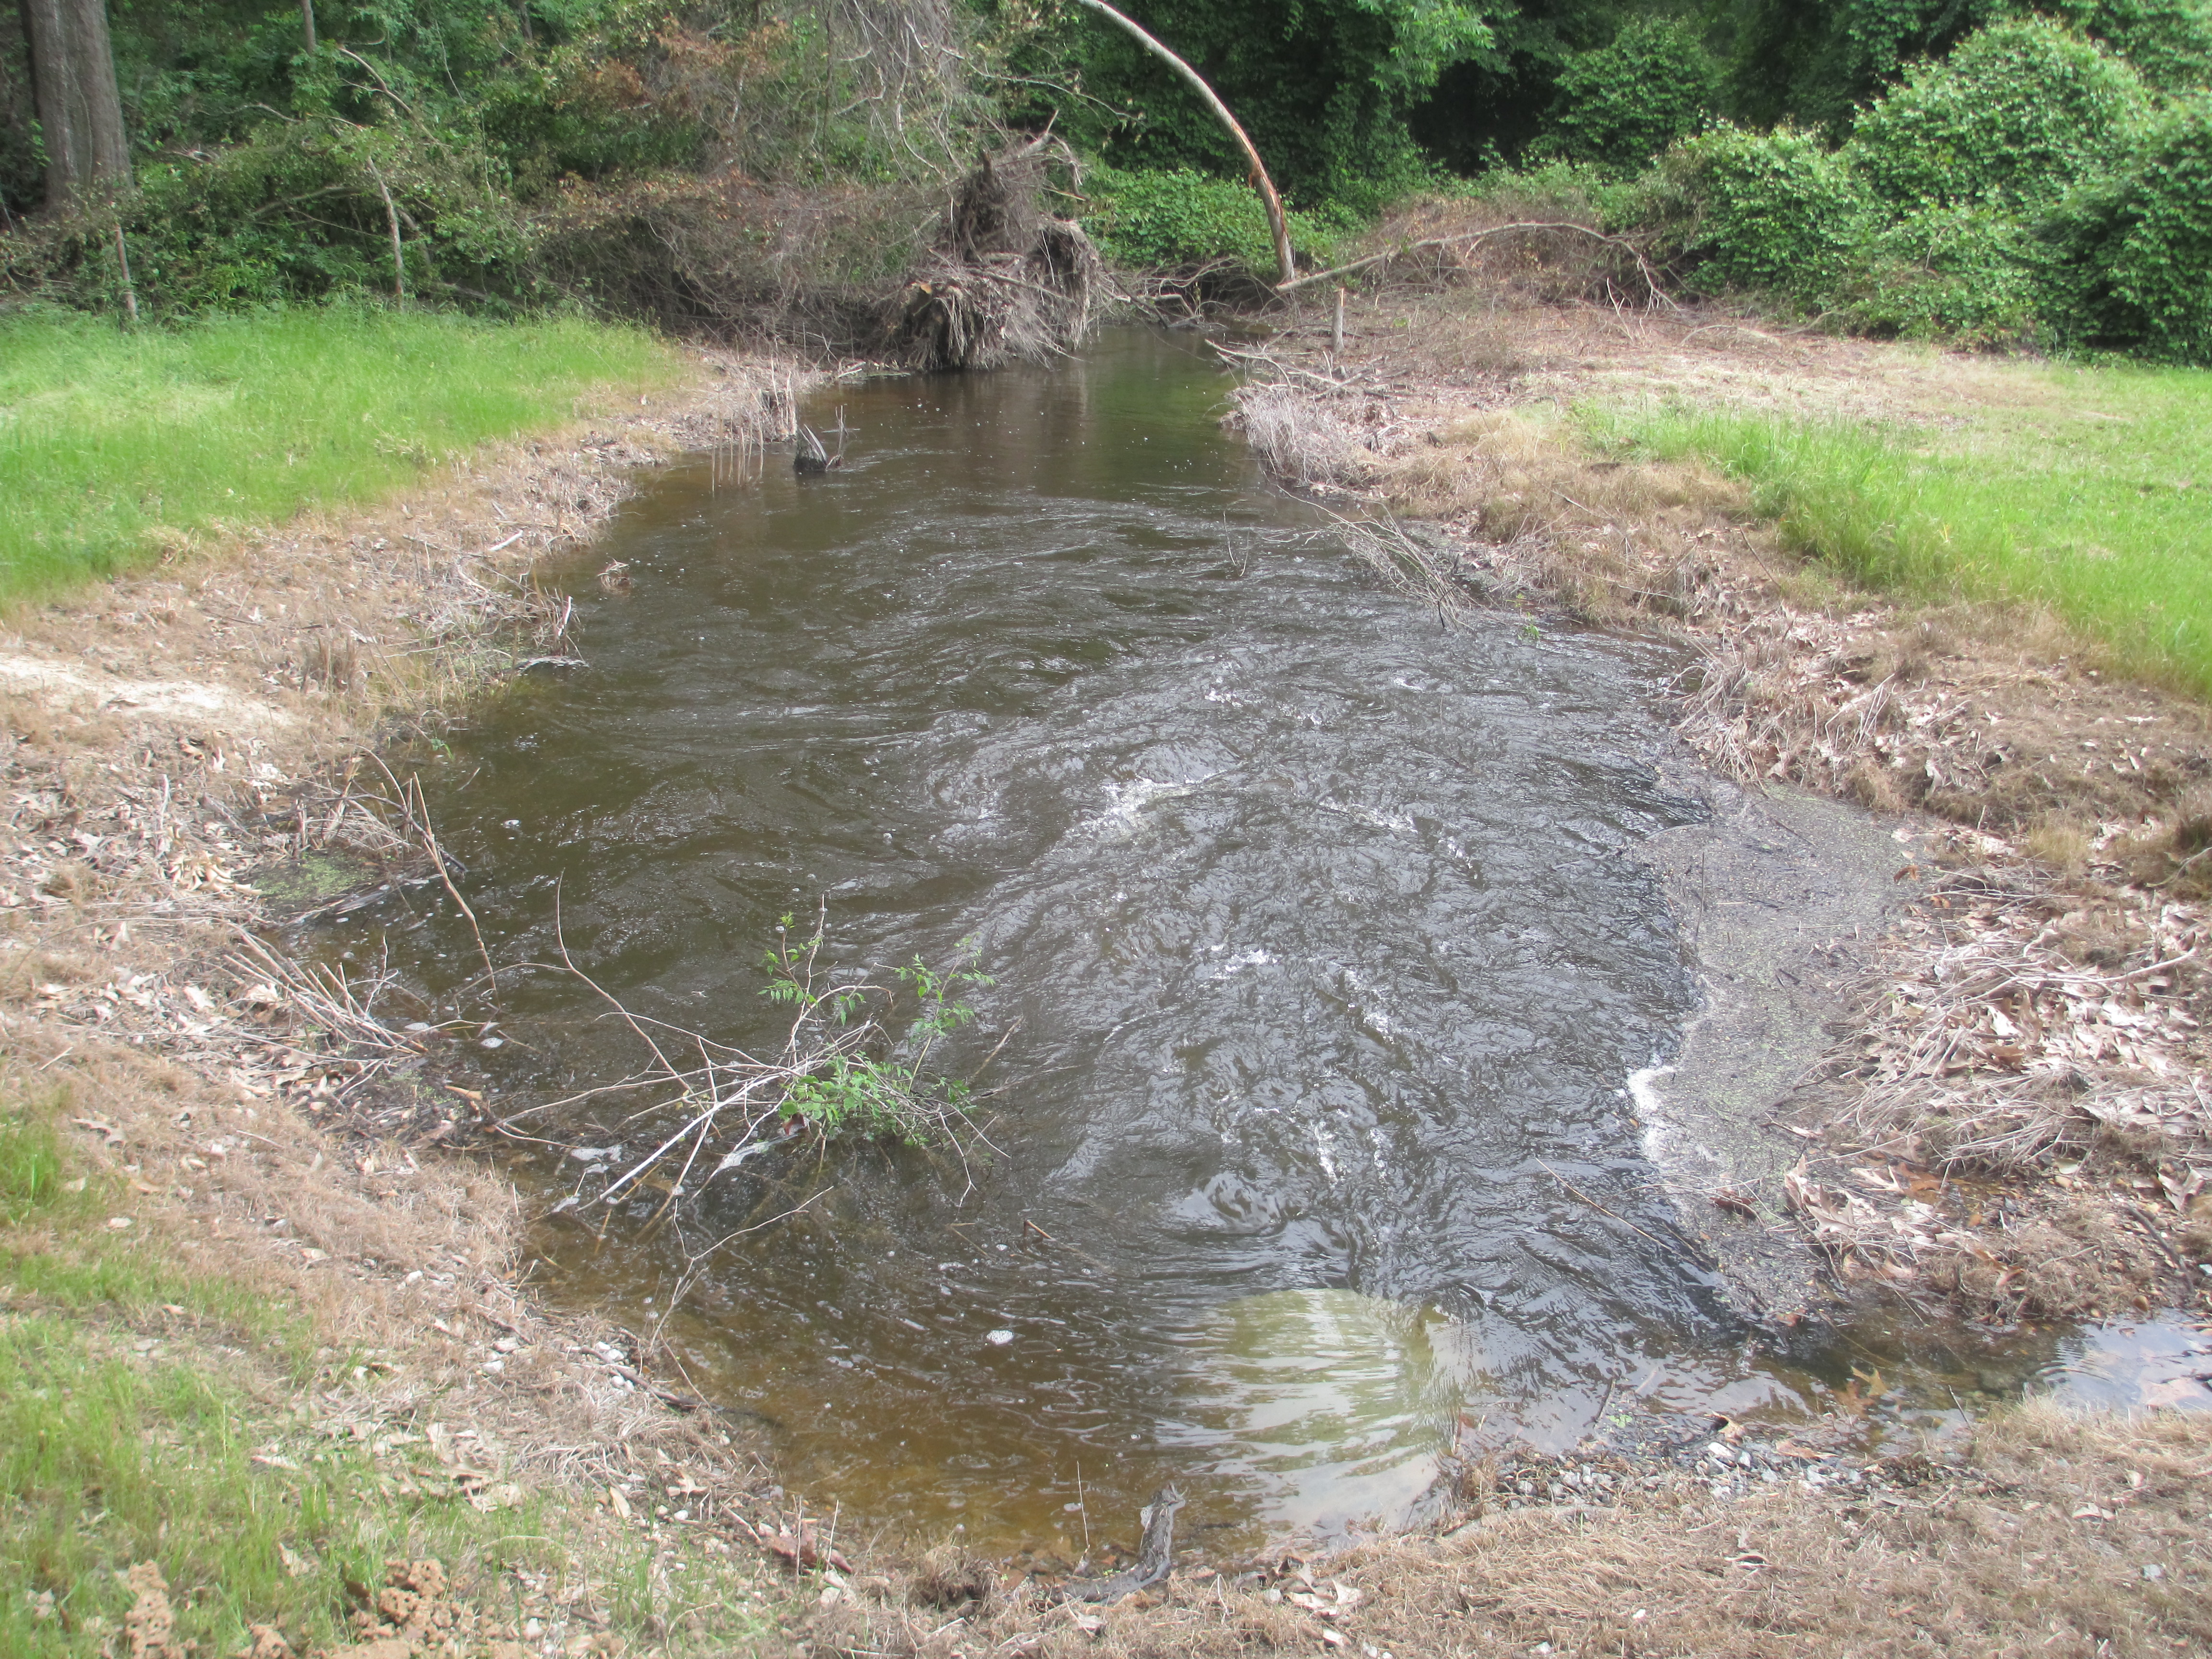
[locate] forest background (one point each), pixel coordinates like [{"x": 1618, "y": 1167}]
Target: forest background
[{"x": 1979, "y": 170}]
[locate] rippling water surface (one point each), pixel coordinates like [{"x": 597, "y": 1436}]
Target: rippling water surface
[{"x": 1319, "y": 930}]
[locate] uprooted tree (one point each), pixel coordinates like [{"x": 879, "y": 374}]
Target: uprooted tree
[{"x": 1005, "y": 277}]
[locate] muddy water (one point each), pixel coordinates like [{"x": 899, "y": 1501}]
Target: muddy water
[{"x": 1320, "y": 932}]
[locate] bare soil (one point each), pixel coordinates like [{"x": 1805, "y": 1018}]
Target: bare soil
[{"x": 2051, "y": 1534}]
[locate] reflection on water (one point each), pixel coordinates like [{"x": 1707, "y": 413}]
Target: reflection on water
[
  {"x": 1318, "y": 933},
  {"x": 1340, "y": 1398}
]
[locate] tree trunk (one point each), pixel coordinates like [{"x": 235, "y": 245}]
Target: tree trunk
[
  {"x": 308, "y": 22},
  {"x": 79, "y": 110},
  {"x": 1287, "y": 267}
]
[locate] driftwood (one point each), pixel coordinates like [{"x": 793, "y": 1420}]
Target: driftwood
[{"x": 1155, "y": 1555}]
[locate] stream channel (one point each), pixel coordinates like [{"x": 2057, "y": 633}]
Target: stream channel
[{"x": 1322, "y": 933}]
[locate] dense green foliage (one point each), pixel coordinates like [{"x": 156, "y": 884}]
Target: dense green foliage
[
  {"x": 2134, "y": 247},
  {"x": 1778, "y": 211},
  {"x": 2032, "y": 186},
  {"x": 114, "y": 444},
  {"x": 2080, "y": 489},
  {"x": 1324, "y": 88},
  {"x": 1624, "y": 102},
  {"x": 1985, "y": 169},
  {"x": 1175, "y": 218},
  {"x": 268, "y": 171},
  {"x": 2012, "y": 119}
]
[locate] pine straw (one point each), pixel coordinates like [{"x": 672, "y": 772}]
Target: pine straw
[{"x": 2037, "y": 1541}]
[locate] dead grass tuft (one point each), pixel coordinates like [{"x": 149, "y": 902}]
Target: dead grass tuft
[{"x": 954, "y": 1578}]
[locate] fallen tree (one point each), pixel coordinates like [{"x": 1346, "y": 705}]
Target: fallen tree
[{"x": 1007, "y": 279}]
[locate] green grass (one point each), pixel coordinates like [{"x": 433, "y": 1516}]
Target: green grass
[
  {"x": 149, "y": 1414},
  {"x": 113, "y": 443},
  {"x": 2088, "y": 491}
]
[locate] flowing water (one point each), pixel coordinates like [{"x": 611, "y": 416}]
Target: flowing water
[{"x": 1319, "y": 931}]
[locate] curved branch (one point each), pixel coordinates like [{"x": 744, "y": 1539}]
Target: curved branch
[
  {"x": 1276, "y": 221},
  {"x": 1643, "y": 265}
]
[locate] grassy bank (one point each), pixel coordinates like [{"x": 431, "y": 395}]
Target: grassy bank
[
  {"x": 177, "y": 1446},
  {"x": 2087, "y": 490},
  {"x": 113, "y": 445}
]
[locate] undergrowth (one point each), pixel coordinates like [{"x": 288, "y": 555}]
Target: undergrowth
[
  {"x": 115, "y": 447},
  {"x": 2089, "y": 493},
  {"x": 1173, "y": 218},
  {"x": 850, "y": 1090}
]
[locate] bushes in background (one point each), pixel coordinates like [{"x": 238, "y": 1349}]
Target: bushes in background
[
  {"x": 1776, "y": 211},
  {"x": 1623, "y": 103},
  {"x": 2032, "y": 186},
  {"x": 1174, "y": 218}
]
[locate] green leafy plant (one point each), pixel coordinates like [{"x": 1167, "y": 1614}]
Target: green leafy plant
[
  {"x": 2018, "y": 115},
  {"x": 856, "y": 1077},
  {"x": 1622, "y": 104},
  {"x": 1968, "y": 274},
  {"x": 1175, "y": 218},
  {"x": 1777, "y": 211},
  {"x": 2133, "y": 249}
]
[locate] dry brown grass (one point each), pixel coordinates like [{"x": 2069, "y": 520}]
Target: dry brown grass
[{"x": 2052, "y": 1534}]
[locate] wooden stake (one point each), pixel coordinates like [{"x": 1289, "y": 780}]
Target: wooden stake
[
  {"x": 1336, "y": 334},
  {"x": 129, "y": 293}
]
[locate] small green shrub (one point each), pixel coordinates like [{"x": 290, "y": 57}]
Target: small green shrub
[
  {"x": 1774, "y": 211},
  {"x": 2133, "y": 265},
  {"x": 2019, "y": 114},
  {"x": 844, "y": 1085},
  {"x": 1622, "y": 104},
  {"x": 1176, "y": 218},
  {"x": 1971, "y": 275}
]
